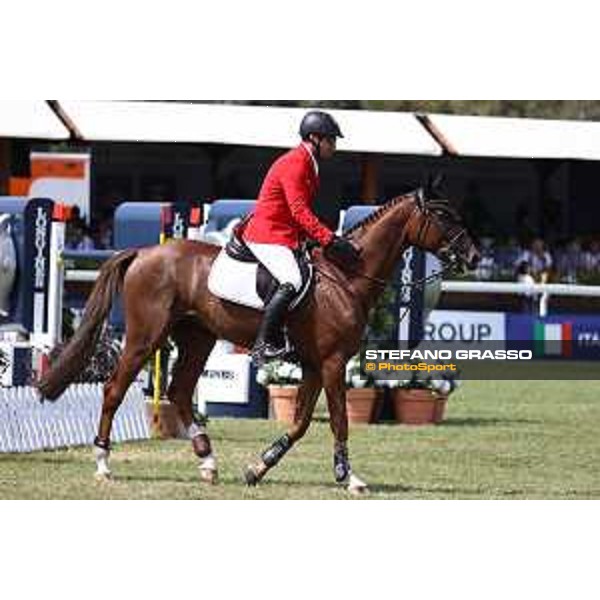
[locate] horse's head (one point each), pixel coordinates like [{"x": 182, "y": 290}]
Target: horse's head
[{"x": 437, "y": 227}]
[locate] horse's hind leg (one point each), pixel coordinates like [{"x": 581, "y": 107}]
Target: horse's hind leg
[
  {"x": 194, "y": 345},
  {"x": 144, "y": 336}
]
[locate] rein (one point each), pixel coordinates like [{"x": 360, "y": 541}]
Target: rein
[{"x": 420, "y": 283}]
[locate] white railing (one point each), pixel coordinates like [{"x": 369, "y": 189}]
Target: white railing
[{"x": 542, "y": 291}]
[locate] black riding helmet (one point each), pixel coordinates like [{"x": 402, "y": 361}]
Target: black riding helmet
[{"x": 321, "y": 123}]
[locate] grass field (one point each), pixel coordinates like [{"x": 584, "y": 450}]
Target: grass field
[{"x": 502, "y": 440}]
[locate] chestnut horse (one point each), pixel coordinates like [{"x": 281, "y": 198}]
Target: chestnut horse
[{"x": 164, "y": 290}]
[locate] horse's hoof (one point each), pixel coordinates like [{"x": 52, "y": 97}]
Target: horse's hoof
[
  {"x": 251, "y": 477},
  {"x": 103, "y": 477},
  {"x": 209, "y": 476},
  {"x": 359, "y": 491},
  {"x": 357, "y": 487}
]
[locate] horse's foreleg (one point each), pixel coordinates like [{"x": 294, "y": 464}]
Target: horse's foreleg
[
  {"x": 194, "y": 345},
  {"x": 335, "y": 389},
  {"x": 308, "y": 395}
]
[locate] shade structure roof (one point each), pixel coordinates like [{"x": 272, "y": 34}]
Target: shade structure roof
[
  {"x": 30, "y": 119},
  {"x": 519, "y": 138},
  {"x": 364, "y": 131}
]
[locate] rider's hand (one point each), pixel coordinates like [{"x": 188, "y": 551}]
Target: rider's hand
[{"x": 343, "y": 253}]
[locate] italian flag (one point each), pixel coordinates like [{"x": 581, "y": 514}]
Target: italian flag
[{"x": 553, "y": 339}]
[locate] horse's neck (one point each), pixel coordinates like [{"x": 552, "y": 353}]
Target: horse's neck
[{"x": 384, "y": 241}]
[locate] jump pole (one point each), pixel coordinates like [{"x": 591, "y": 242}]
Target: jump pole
[{"x": 164, "y": 218}]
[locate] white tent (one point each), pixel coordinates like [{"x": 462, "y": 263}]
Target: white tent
[
  {"x": 30, "y": 119},
  {"x": 365, "y": 131},
  {"x": 519, "y": 138}
]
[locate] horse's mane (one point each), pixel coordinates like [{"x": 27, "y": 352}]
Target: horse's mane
[
  {"x": 378, "y": 213},
  {"x": 437, "y": 205}
]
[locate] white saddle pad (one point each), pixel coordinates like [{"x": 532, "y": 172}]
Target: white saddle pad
[{"x": 235, "y": 281}]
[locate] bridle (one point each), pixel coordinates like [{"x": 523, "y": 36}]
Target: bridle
[{"x": 453, "y": 234}]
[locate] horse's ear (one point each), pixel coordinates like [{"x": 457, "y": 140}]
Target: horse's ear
[
  {"x": 437, "y": 183},
  {"x": 420, "y": 198},
  {"x": 434, "y": 186}
]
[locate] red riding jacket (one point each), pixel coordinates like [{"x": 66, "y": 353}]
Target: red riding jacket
[{"x": 283, "y": 213}]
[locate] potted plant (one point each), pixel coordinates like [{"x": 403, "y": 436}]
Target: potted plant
[
  {"x": 282, "y": 380},
  {"x": 421, "y": 401},
  {"x": 362, "y": 397}
]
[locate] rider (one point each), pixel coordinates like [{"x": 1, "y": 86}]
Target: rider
[{"x": 283, "y": 219}]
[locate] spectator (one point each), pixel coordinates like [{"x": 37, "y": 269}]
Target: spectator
[
  {"x": 570, "y": 262},
  {"x": 591, "y": 258},
  {"x": 539, "y": 260},
  {"x": 486, "y": 268},
  {"x": 507, "y": 256},
  {"x": 524, "y": 273},
  {"x": 103, "y": 233},
  {"x": 77, "y": 236},
  {"x": 528, "y": 300}
]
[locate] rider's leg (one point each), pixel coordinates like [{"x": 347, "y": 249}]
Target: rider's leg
[{"x": 281, "y": 263}]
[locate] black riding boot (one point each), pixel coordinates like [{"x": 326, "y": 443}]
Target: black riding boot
[{"x": 266, "y": 347}]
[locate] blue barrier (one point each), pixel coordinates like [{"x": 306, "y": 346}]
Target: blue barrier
[
  {"x": 137, "y": 224},
  {"x": 222, "y": 212},
  {"x": 356, "y": 214}
]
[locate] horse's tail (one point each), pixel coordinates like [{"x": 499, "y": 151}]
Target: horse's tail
[{"x": 81, "y": 346}]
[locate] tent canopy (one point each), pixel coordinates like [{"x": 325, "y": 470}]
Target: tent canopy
[
  {"x": 502, "y": 137},
  {"x": 276, "y": 127},
  {"x": 30, "y": 119}
]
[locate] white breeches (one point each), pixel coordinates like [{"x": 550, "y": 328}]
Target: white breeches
[{"x": 279, "y": 261}]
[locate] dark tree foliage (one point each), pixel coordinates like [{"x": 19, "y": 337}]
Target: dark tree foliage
[{"x": 543, "y": 109}]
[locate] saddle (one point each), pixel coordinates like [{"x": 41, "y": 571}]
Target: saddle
[{"x": 238, "y": 276}]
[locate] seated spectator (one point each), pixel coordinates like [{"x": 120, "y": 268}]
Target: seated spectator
[
  {"x": 486, "y": 268},
  {"x": 524, "y": 273},
  {"x": 570, "y": 262},
  {"x": 591, "y": 258},
  {"x": 103, "y": 233},
  {"x": 539, "y": 260},
  {"x": 507, "y": 256},
  {"x": 77, "y": 235}
]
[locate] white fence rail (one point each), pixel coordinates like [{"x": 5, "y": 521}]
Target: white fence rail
[{"x": 542, "y": 291}]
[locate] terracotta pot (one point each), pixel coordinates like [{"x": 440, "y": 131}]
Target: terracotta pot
[
  {"x": 361, "y": 404},
  {"x": 440, "y": 408},
  {"x": 283, "y": 400},
  {"x": 418, "y": 407},
  {"x": 169, "y": 424}
]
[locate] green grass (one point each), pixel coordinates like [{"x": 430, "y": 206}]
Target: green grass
[{"x": 503, "y": 440}]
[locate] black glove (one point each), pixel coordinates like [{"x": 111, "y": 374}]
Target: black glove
[{"x": 343, "y": 253}]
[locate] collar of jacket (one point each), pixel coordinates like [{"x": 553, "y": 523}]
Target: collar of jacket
[{"x": 313, "y": 159}]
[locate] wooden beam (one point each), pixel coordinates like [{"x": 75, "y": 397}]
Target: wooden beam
[
  {"x": 65, "y": 119},
  {"x": 370, "y": 179},
  {"x": 437, "y": 135}
]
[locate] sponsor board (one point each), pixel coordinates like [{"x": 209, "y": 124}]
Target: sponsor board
[
  {"x": 226, "y": 380},
  {"x": 561, "y": 336},
  {"x": 465, "y": 327}
]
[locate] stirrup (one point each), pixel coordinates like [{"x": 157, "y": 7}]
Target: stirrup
[{"x": 266, "y": 351}]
